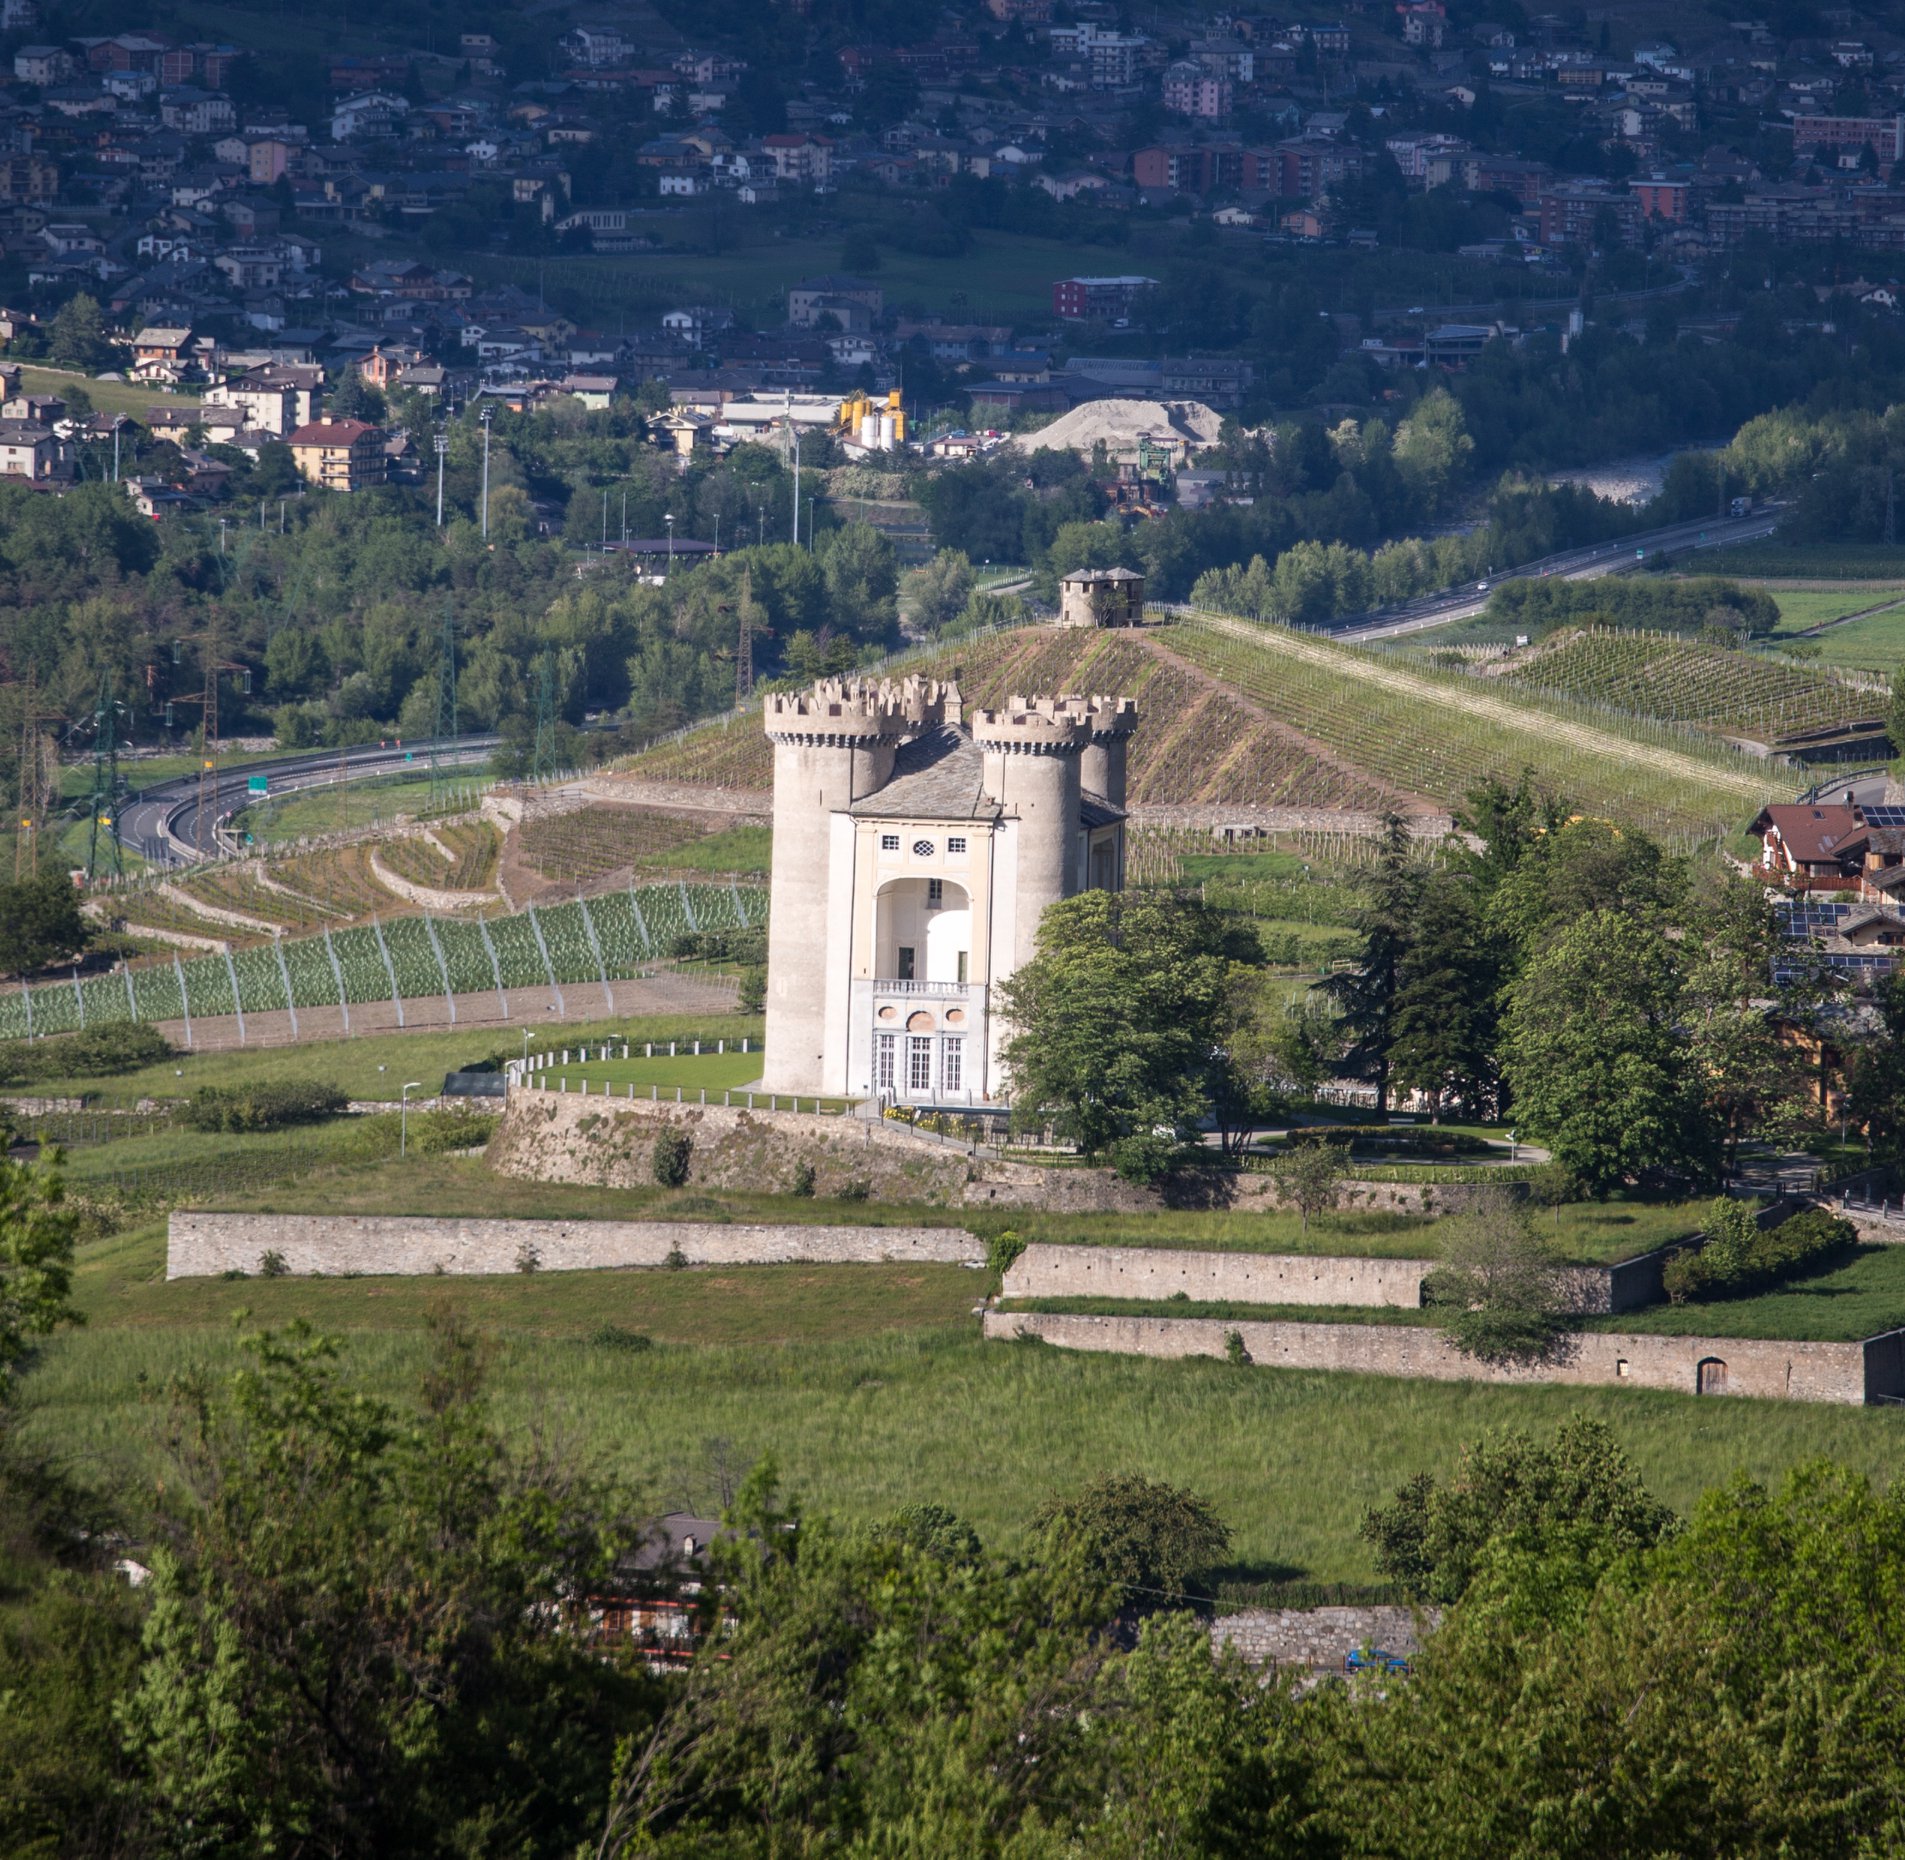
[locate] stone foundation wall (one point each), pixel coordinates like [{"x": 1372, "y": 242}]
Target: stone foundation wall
[
  {"x": 1828, "y": 1372},
  {"x": 1319, "y": 1638},
  {"x": 1045, "y": 1271},
  {"x": 201, "y": 1245},
  {"x": 565, "y": 1137}
]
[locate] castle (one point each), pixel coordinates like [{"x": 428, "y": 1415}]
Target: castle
[{"x": 914, "y": 854}]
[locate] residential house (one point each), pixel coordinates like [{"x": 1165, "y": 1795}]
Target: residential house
[
  {"x": 814, "y": 298},
  {"x": 339, "y": 455},
  {"x": 277, "y": 398},
  {"x": 34, "y": 452},
  {"x": 369, "y": 116},
  {"x": 42, "y": 64}
]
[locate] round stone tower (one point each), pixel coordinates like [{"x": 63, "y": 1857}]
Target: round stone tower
[
  {"x": 1033, "y": 748},
  {"x": 834, "y": 744},
  {"x": 1101, "y": 770}
]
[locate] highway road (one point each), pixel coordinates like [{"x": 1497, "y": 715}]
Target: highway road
[
  {"x": 161, "y": 823},
  {"x": 1613, "y": 558}
]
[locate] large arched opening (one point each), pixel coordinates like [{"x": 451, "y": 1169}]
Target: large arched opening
[{"x": 922, "y": 931}]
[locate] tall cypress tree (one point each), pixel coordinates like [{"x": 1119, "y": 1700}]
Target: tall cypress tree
[
  {"x": 1365, "y": 997},
  {"x": 1444, "y": 1021}
]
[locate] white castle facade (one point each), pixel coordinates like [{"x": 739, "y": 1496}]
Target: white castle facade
[{"x": 914, "y": 853}]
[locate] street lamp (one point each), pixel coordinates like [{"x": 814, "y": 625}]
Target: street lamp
[
  {"x": 527, "y": 1037},
  {"x": 669, "y": 519},
  {"x": 403, "y": 1118},
  {"x": 443, "y": 446}
]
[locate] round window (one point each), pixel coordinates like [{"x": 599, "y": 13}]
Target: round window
[{"x": 922, "y": 849}]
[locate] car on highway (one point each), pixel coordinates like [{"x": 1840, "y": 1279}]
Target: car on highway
[{"x": 1481, "y": 587}]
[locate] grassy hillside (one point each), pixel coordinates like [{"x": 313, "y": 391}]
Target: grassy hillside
[
  {"x": 871, "y": 1389},
  {"x": 1680, "y": 681}
]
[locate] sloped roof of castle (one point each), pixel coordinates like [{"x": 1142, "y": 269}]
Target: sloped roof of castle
[{"x": 938, "y": 775}]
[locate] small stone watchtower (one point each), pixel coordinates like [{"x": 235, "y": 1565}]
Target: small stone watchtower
[
  {"x": 1101, "y": 597},
  {"x": 914, "y": 856}
]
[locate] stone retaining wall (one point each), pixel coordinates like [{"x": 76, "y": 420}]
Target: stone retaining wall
[
  {"x": 1319, "y": 1638},
  {"x": 202, "y": 1245},
  {"x": 1828, "y": 1372},
  {"x": 1046, "y": 1271},
  {"x": 565, "y": 1137}
]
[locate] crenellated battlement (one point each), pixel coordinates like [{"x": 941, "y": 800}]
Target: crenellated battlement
[
  {"x": 1040, "y": 725},
  {"x": 861, "y": 709},
  {"x": 1112, "y": 716}
]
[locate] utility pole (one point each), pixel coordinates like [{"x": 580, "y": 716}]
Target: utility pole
[
  {"x": 668, "y": 518},
  {"x": 446, "y": 704},
  {"x": 104, "y": 808},
  {"x": 443, "y": 446},
  {"x": 792, "y": 450},
  {"x": 118, "y": 421},
  {"x": 744, "y": 646},
  {"x": 488, "y": 413}
]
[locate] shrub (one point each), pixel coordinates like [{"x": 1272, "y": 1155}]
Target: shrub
[
  {"x": 1732, "y": 1262},
  {"x": 615, "y": 1337},
  {"x": 1001, "y": 1250},
  {"x": 98, "y": 1052},
  {"x": 1234, "y": 1348},
  {"x": 271, "y": 1264},
  {"x": 859, "y": 1189},
  {"x": 528, "y": 1258},
  {"x": 671, "y": 1157},
  {"x": 675, "y": 1259},
  {"x": 263, "y": 1106},
  {"x": 804, "y": 1181},
  {"x": 753, "y": 996}
]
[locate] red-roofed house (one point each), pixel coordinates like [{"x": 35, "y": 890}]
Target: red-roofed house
[
  {"x": 341, "y": 455},
  {"x": 1808, "y": 843}
]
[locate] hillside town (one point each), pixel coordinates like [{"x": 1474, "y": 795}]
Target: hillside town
[{"x": 239, "y": 230}]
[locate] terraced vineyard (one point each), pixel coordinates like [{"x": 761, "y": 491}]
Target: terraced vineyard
[
  {"x": 1680, "y": 681},
  {"x": 585, "y": 845},
  {"x": 580, "y": 942},
  {"x": 1441, "y": 733},
  {"x": 1195, "y": 743},
  {"x": 459, "y": 857}
]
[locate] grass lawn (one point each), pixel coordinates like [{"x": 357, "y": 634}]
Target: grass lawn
[
  {"x": 1587, "y": 1233},
  {"x": 465, "y": 1185},
  {"x": 1861, "y": 1297},
  {"x": 126, "y": 397},
  {"x": 1800, "y": 608},
  {"x": 733, "y": 849},
  {"x": 1876, "y": 643},
  {"x": 709, "y": 1072},
  {"x": 871, "y": 1388},
  {"x": 377, "y": 1065},
  {"x": 330, "y": 810}
]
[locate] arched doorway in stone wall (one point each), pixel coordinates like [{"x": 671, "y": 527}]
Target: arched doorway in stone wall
[{"x": 1709, "y": 1377}]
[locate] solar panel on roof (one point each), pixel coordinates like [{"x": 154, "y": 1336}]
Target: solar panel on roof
[{"x": 1883, "y": 816}]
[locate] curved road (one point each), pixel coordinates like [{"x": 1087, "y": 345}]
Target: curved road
[{"x": 161, "y": 823}]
